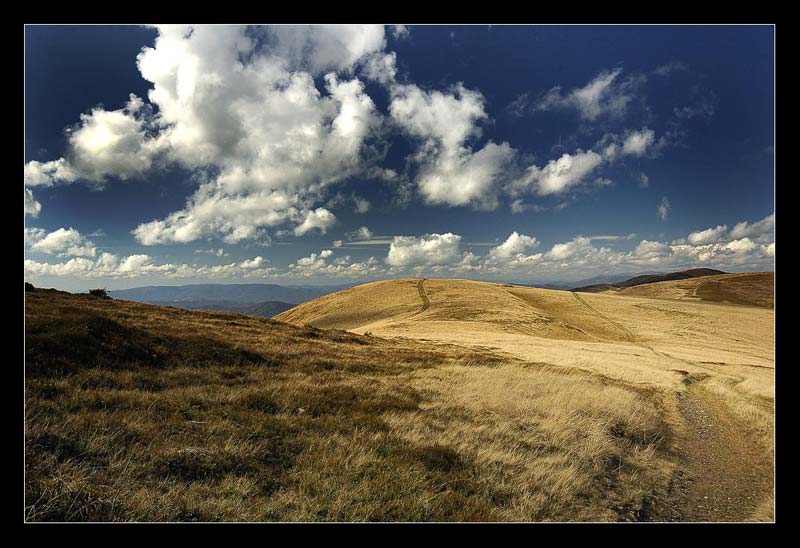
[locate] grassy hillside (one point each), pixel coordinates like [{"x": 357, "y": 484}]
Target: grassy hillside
[
  {"x": 708, "y": 368},
  {"x": 747, "y": 289},
  {"x": 644, "y": 279},
  {"x": 138, "y": 412}
]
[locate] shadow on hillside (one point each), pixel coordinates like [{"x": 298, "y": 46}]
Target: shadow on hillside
[{"x": 65, "y": 345}]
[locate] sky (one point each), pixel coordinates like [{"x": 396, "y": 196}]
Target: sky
[{"x": 314, "y": 155}]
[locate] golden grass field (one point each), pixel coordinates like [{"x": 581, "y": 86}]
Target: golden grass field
[{"x": 403, "y": 400}]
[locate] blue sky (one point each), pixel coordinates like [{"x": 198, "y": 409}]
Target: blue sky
[{"x": 319, "y": 155}]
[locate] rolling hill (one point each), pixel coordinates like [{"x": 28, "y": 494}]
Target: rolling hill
[
  {"x": 410, "y": 399},
  {"x": 720, "y": 359},
  {"x": 647, "y": 279},
  {"x": 747, "y": 289}
]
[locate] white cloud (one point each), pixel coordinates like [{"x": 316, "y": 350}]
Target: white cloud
[
  {"x": 320, "y": 219},
  {"x": 62, "y": 242},
  {"x": 605, "y": 95},
  {"x": 220, "y": 252},
  {"x": 427, "y": 250},
  {"x": 399, "y": 31},
  {"x": 663, "y": 208},
  {"x": 32, "y": 207},
  {"x": 362, "y": 233},
  {"x": 361, "y": 205},
  {"x": 449, "y": 171},
  {"x": 707, "y": 236},
  {"x": 668, "y": 68},
  {"x": 515, "y": 245},
  {"x": 559, "y": 175},
  {"x": 318, "y": 265},
  {"x": 648, "y": 249},
  {"x": 241, "y": 103},
  {"x": 381, "y": 67},
  {"x": 110, "y": 266},
  {"x": 766, "y": 226},
  {"x": 743, "y": 245},
  {"x": 637, "y": 143},
  {"x": 48, "y": 173},
  {"x": 577, "y": 246}
]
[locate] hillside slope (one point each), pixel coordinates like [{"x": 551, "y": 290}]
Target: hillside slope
[
  {"x": 137, "y": 412},
  {"x": 719, "y": 360},
  {"x": 747, "y": 289},
  {"x": 644, "y": 279}
]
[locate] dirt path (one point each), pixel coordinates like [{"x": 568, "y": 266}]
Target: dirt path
[
  {"x": 724, "y": 472},
  {"x": 425, "y": 302}
]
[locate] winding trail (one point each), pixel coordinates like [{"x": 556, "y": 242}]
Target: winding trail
[
  {"x": 724, "y": 472},
  {"x": 426, "y": 303}
]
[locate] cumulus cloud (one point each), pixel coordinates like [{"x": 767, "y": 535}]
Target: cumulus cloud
[
  {"x": 361, "y": 205},
  {"x": 320, "y": 264},
  {"x": 242, "y": 104},
  {"x": 320, "y": 219},
  {"x": 449, "y": 171},
  {"x": 766, "y": 226},
  {"x": 707, "y": 236},
  {"x": 110, "y": 266},
  {"x": 64, "y": 242},
  {"x": 362, "y": 233},
  {"x": 559, "y": 175},
  {"x": 427, "y": 250},
  {"x": 515, "y": 245}
]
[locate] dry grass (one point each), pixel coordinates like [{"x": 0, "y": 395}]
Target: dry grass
[
  {"x": 633, "y": 342},
  {"x": 750, "y": 288},
  {"x": 135, "y": 412}
]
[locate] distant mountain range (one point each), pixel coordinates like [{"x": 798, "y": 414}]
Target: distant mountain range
[
  {"x": 264, "y": 300},
  {"x": 642, "y": 279},
  {"x": 233, "y": 293}
]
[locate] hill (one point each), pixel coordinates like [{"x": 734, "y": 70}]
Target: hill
[
  {"x": 469, "y": 401},
  {"x": 647, "y": 279},
  {"x": 222, "y": 293},
  {"x": 719, "y": 359},
  {"x": 146, "y": 413},
  {"x": 747, "y": 289}
]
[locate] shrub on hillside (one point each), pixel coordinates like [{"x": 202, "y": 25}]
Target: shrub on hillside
[
  {"x": 29, "y": 287},
  {"x": 100, "y": 293}
]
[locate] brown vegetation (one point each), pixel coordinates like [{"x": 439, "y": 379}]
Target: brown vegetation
[{"x": 136, "y": 412}]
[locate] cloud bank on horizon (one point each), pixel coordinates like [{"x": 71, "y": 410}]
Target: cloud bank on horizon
[{"x": 273, "y": 126}]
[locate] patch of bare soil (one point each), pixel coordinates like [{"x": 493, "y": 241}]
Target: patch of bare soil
[{"x": 723, "y": 473}]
